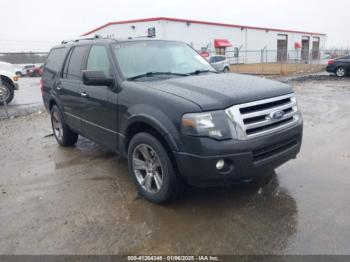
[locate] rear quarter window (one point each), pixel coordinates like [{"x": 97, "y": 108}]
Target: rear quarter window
[{"x": 54, "y": 61}]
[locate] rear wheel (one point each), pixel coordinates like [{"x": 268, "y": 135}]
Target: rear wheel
[
  {"x": 63, "y": 134},
  {"x": 152, "y": 169},
  {"x": 6, "y": 92},
  {"x": 226, "y": 70},
  {"x": 341, "y": 71}
]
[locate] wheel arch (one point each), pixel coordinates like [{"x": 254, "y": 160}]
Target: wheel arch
[
  {"x": 153, "y": 127},
  {"x": 136, "y": 123},
  {"x": 7, "y": 80},
  {"x": 53, "y": 101}
]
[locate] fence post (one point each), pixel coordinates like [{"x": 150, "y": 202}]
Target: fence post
[{"x": 262, "y": 61}]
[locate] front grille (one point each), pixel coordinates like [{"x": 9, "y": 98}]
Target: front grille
[
  {"x": 267, "y": 152},
  {"x": 264, "y": 116}
]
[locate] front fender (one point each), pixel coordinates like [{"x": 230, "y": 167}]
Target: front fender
[{"x": 154, "y": 117}]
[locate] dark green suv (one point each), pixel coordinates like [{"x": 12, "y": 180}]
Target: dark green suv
[{"x": 161, "y": 105}]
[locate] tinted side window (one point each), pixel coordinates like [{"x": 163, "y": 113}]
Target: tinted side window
[
  {"x": 65, "y": 69},
  {"x": 75, "y": 62},
  {"x": 213, "y": 59},
  {"x": 221, "y": 58},
  {"x": 98, "y": 60},
  {"x": 55, "y": 59}
]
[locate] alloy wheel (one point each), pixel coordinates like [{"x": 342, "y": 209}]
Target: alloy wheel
[
  {"x": 57, "y": 125},
  {"x": 147, "y": 168},
  {"x": 340, "y": 72},
  {"x": 4, "y": 93}
]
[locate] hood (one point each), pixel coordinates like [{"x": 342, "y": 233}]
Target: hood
[
  {"x": 7, "y": 68},
  {"x": 220, "y": 91}
]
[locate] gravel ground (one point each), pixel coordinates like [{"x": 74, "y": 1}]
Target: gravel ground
[{"x": 81, "y": 200}]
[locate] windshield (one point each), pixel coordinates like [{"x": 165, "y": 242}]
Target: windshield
[{"x": 143, "y": 58}]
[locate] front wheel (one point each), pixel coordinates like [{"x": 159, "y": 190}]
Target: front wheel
[
  {"x": 226, "y": 70},
  {"x": 6, "y": 92},
  {"x": 63, "y": 134},
  {"x": 152, "y": 169},
  {"x": 341, "y": 71}
]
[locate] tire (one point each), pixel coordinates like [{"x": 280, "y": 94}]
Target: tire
[
  {"x": 19, "y": 74},
  {"x": 154, "y": 176},
  {"x": 7, "y": 92},
  {"x": 341, "y": 71},
  {"x": 64, "y": 135},
  {"x": 226, "y": 70}
]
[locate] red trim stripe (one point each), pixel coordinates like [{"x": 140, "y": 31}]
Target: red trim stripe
[{"x": 198, "y": 22}]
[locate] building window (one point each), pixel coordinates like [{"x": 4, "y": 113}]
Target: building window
[{"x": 220, "y": 50}]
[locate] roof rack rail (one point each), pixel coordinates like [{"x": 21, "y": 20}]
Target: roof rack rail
[{"x": 87, "y": 37}]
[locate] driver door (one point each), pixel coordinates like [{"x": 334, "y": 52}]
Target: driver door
[{"x": 99, "y": 103}]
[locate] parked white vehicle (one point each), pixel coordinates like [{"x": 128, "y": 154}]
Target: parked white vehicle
[
  {"x": 23, "y": 70},
  {"x": 220, "y": 63},
  {"x": 9, "y": 82}
]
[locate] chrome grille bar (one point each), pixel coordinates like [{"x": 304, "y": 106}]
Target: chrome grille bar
[{"x": 260, "y": 117}]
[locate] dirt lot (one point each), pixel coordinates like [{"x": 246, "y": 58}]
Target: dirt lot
[
  {"x": 277, "y": 68},
  {"x": 82, "y": 201}
]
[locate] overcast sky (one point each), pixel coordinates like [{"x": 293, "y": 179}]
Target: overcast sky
[{"x": 39, "y": 24}]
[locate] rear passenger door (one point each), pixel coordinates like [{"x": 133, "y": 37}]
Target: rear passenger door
[
  {"x": 99, "y": 114},
  {"x": 69, "y": 86}
]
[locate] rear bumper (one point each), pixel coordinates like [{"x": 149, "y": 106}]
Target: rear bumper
[
  {"x": 330, "y": 69},
  {"x": 251, "y": 159}
]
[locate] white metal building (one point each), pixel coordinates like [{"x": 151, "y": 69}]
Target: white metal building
[{"x": 242, "y": 44}]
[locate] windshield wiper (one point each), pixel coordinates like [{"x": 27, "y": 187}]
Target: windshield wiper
[
  {"x": 151, "y": 74},
  {"x": 197, "y": 72}
]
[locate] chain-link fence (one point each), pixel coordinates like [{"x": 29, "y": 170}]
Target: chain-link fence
[{"x": 280, "y": 62}]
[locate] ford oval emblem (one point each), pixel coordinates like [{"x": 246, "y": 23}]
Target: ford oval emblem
[{"x": 277, "y": 115}]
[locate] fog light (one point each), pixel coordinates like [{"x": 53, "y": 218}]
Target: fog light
[{"x": 220, "y": 164}]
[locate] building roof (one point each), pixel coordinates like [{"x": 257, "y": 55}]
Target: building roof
[{"x": 198, "y": 22}]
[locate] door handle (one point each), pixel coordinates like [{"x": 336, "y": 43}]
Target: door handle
[
  {"x": 84, "y": 94},
  {"x": 58, "y": 85}
]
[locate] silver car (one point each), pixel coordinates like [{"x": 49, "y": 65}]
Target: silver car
[{"x": 220, "y": 63}]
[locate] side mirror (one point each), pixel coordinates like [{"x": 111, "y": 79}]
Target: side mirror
[{"x": 96, "y": 78}]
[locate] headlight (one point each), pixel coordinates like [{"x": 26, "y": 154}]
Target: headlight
[{"x": 214, "y": 124}]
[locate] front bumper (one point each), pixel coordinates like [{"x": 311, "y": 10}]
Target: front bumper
[{"x": 245, "y": 159}]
